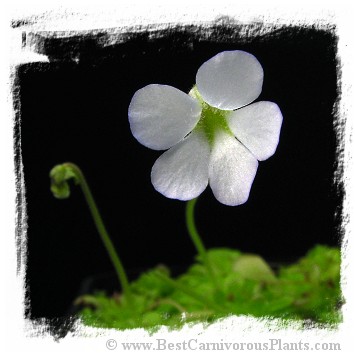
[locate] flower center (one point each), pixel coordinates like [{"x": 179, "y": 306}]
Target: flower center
[{"x": 212, "y": 119}]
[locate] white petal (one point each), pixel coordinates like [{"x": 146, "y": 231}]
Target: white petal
[
  {"x": 258, "y": 127},
  {"x": 160, "y": 116},
  {"x": 230, "y": 80},
  {"x": 232, "y": 170},
  {"x": 182, "y": 171}
]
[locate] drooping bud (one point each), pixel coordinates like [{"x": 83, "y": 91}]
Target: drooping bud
[{"x": 59, "y": 176}]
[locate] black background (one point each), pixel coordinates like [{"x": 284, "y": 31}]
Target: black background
[{"x": 75, "y": 109}]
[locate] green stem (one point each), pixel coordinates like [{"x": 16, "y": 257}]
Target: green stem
[
  {"x": 59, "y": 175},
  {"x": 191, "y": 227},
  {"x": 197, "y": 241}
]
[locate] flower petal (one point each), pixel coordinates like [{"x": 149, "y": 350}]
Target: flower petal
[
  {"x": 160, "y": 116},
  {"x": 258, "y": 127},
  {"x": 232, "y": 170},
  {"x": 230, "y": 80},
  {"x": 182, "y": 171}
]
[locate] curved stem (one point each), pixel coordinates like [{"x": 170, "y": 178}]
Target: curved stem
[
  {"x": 60, "y": 174},
  {"x": 196, "y": 239},
  {"x": 191, "y": 227}
]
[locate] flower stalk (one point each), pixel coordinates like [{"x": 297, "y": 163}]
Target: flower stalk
[
  {"x": 197, "y": 241},
  {"x": 60, "y": 175}
]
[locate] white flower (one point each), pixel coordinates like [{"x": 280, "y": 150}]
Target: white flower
[{"x": 212, "y": 136}]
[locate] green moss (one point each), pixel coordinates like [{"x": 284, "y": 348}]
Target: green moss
[{"x": 307, "y": 290}]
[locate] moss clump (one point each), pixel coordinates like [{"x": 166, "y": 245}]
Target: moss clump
[{"x": 306, "y": 290}]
